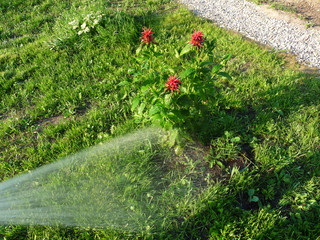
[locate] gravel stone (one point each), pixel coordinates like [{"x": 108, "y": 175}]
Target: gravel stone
[{"x": 247, "y": 18}]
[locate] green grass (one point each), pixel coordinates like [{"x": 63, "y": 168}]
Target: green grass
[
  {"x": 59, "y": 94},
  {"x": 277, "y": 5}
]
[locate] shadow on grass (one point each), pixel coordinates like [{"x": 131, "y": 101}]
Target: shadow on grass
[
  {"x": 230, "y": 214},
  {"x": 278, "y": 214}
]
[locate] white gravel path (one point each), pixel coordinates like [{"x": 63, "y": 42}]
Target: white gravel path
[{"x": 248, "y": 19}]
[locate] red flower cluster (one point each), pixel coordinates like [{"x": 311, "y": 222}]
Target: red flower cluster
[
  {"x": 147, "y": 36},
  {"x": 197, "y": 39},
  {"x": 173, "y": 83}
]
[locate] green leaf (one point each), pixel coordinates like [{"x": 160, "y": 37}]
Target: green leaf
[
  {"x": 171, "y": 141},
  {"x": 279, "y": 111},
  {"x": 145, "y": 65},
  {"x": 251, "y": 192},
  {"x": 144, "y": 89},
  {"x": 178, "y": 150},
  {"x": 211, "y": 164},
  {"x": 183, "y": 89},
  {"x": 155, "y": 100},
  {"x": 216, "y": 68},
  {"x": 154, "y": 110},
  {"x": 206, "y": 63},
  {"x": 227, "y": 57},
  {"x": 211, "y": 44},
  {"x": 254, "y": 199},
  {"x": 136, "y": 79},
  {"x": 157, "y": 54},
  {"x": 220, "y": 164},
  {"x": 156, "y": 117},
  {"x": 168, "y": 99},
  {"x": 186, "y": 50},
  {"x": 236, "y": 139},
  {"x": 123, "y": 83},
  {"x": 141, "y": 108},
  {"x": 286, "y": 178},
  {"x": 227, "y": 134},
  {"x": 124, "y": 95},
  {"x": 139, "y": 49},
  {"x": 224, "y": 74},
  {"x": 171, "y": 70},
  {"x": 131, "y": 70},
  {"x": 166, "y": 124},
  {"x": 135, "y": 103},
  {"x": 177, "y": 55},
  {"x": 173, "y": 117},
  {"x": 187, "y": 72}
]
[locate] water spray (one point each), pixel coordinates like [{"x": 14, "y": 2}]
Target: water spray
[{"x": 121, "y": 184}]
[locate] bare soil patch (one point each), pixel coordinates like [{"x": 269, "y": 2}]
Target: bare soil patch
[
  {"x": 308, "y": 10},
  {"x": 193, "y": 163},
  {"x": 50, "y": 121}
]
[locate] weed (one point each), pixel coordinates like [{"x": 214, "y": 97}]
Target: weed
[{"x": 309, "y": 25}]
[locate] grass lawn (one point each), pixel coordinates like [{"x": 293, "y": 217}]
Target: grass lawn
[{"x": 60, "y": 93}]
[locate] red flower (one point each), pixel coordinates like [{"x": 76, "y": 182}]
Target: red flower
[
  {"x": 173, "y": 83},
  {"x": 197, "y": 39},
  {"x": 147, "y": 36}
]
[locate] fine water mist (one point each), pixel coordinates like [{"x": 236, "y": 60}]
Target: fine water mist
[{"x": 126, "y": 183}]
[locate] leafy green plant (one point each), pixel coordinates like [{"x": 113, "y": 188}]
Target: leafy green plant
[
  {"x": 223, "y": 149},
  {"x": 252, "y": 197},
  {"x": 309, "y": 25},
  {"x": 88, "y": 23},
  {"x": 169, "y": 96},
  {"x": 212, "y": 160}
]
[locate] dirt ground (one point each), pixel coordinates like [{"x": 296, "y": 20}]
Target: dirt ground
[
  {"x": 307, "y": 9},
  {"x": 302, "y": 13}
]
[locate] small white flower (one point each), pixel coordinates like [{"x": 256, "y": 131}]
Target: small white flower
[
  {"x": 95, "y": 22},
  {"x": 72, "y": 22},
  {"x": 86, "y": 18},
  {"x": 83, "y": 25}
]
